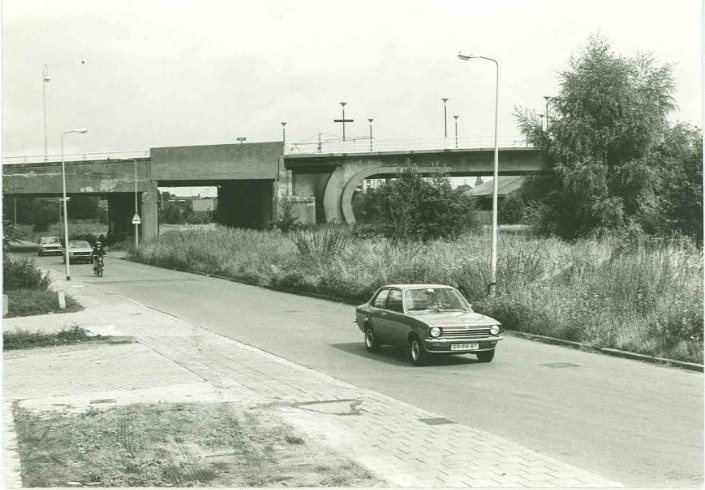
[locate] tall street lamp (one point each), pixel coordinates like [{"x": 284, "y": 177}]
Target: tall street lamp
[
  {"x": 45, "y": 79},
  {"x": 456, "y": 130},
  {"x": 445, "y": 116},
  {"x": 370, "y": 119},
  {"x": 495, "y": 182},
  {"x": 548, "y": 99},
  {"x": 284, "y": 133},
  {"x": 66, "y": 216},
  {"x": 136, "y": 220},
  {"x": 343, "y": 120}
]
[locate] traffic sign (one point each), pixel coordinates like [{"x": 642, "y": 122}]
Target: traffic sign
[{"x": 136, "y": 219}]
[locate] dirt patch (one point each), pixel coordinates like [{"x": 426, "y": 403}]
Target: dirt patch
[{"x": 176, "y": 444}]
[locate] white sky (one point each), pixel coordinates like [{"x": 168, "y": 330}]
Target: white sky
[{"x": 149, "y": 73}]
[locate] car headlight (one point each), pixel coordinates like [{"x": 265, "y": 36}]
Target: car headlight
[
  {"x": 435, "y": 332},
  {"x": 494, "y": 329}
]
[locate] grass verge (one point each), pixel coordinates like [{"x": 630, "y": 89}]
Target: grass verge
[
  {"x": 179, "y": 445},
  {"x": 27, "y": 302},
  {"x": 22, "y": 339},
  {"x": 645, "y": 297}
]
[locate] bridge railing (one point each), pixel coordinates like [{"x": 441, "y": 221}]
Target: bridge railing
[
  {"x": 367, "y": 145},
  {"x": 74, "y": 157}
]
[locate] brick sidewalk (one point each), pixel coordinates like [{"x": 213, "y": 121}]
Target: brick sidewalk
[{"x": 400, "y": 443}]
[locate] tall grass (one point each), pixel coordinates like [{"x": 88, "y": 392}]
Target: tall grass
[{"x": 645, "y": 297}]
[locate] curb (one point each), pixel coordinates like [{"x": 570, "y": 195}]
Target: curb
[
  {"x": 608, "y": 351},
  {"x": 528, "y": 336}
]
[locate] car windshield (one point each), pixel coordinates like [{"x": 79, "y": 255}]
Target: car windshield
[
  {"x": 435, "y": 299},
  {"x": 79, "y": 244},
  {"x": 50, "y": 239}
]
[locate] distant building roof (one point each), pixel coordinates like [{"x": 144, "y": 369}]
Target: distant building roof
[{"x": 506, "y": 186}]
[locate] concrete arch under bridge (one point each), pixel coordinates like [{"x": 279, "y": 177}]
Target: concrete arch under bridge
[{"x": 333, "y": 179}]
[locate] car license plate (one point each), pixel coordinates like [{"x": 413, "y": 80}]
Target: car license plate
[{"x": 464, "y": 346}]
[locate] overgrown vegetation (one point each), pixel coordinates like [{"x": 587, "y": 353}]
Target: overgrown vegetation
[
  {"x": 412, "y": 207},
  {"x": 27, "y": 289},
  {"x": 612, "y": 161},
  {"x": 644, "y": 296},
  {"x": 175, "y": 445},
  {"x": 21, "y": 339},
  {"x": 28, "y": 302}
]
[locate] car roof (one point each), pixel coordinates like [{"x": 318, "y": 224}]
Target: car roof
[{"x": 417, "y": 286}]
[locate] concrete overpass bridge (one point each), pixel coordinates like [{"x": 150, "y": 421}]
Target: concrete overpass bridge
[{"x": 253, "y": 179}]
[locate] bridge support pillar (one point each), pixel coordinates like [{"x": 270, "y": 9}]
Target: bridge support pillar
[{"x": 149, "y": 212}]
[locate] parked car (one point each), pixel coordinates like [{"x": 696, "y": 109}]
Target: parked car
[
  {"x": 49, "y": 245},
  {"x": 426, "y": 319},
  {"x": 79, "y": 251}
]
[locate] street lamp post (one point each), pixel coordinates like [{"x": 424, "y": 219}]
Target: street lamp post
[
  {"x": 45, "y": 79},
  {"x": 135, "y": 218},
  {"x": 343, "y": 120},
  {"x": 284, "y": 133},
  {"x": 445, "y": 116},
  {"x": 66, "y": 216},
  {"x": 456, "y": 130},
  {"x": 495, "y": 182},
  {"x": 548, "y": 99},
  {"x": 370, "y": 119}
]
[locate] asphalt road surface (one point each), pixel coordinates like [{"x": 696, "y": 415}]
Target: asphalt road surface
[{"x": 632, "y": 422}]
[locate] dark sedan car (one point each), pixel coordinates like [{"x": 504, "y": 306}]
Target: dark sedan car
[{"x": 426, "y": 319}]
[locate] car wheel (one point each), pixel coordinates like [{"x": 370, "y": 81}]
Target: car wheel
[
  {"x": 486, "y": 356},
  {"x": 371, "y": 343},
  {"x": 416, "y": 352}
]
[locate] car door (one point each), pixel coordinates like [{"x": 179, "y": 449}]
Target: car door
[
  {"x": 378, "y": 316},
  {"x": 395, "y": 318}
]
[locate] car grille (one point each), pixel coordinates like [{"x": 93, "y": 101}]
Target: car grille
[{"x": 457, "y": 333}]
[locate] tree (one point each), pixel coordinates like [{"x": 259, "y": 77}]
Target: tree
[
  {"x": 171, "y": 214},
  {"x": 601, "y": 170},
  {"x": 412, "y": 207}
]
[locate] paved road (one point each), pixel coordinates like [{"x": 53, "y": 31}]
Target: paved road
[{"x": 631, "y": 422}]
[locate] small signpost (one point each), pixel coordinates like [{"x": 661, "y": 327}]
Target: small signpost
[{"x": 137, "y": 222}]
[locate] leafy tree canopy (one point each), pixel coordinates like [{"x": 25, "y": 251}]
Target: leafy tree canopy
[
  {"x": 412, "y": 207},
  {"x": 611, "y": 157}
]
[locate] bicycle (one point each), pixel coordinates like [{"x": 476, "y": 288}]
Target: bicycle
[{"x": 98, "y": 267}]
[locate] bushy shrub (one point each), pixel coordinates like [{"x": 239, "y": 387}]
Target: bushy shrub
[
  {"x": 287, "y": 221},
  {"x": 412, "y": 207},
  {"x": 318, "y": 246},
  {"x": 22, "y": 273}
]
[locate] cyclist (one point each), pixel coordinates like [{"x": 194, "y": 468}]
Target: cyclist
[{"x": 98, "y": 254}]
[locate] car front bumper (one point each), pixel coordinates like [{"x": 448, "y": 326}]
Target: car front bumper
[
  {"x": 47, "y": 250},
  {"x": 443, "y": 346},
  {"x": 79, "y": 257}
]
